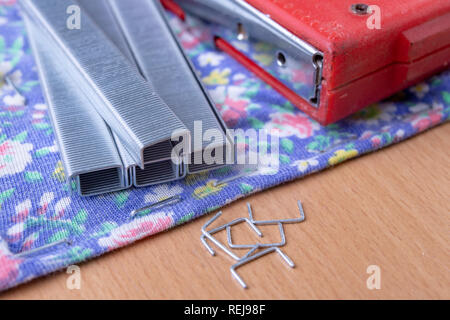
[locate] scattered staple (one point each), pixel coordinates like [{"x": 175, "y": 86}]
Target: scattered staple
[
  {"x": 238, "y": 176},
  {"x": 254, "y": 257},
  {"x": 47, "y": 246},
  {"x": 268, "y": 222},
  {"x": 252, "y": 254},
  {"x": 169, "y": 201},
  {"x": 207, "y": 234},
  {"x": 11, "y": 83},
  {"x": 260, "y": 245}
]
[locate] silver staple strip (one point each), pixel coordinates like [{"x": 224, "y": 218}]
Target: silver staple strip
[
  {"x": 162, "y": 61},
  {"x": 127, "y": 160},
  {"x": 268, "y": 222},
  {"x": 157, "y": 172},
  {"x": 92, "y": 180},
  {"x": 125, "y": 100},
  {"x": 154, "y": 172},
  {"x": 88, "y": 151},
  {"x": 100, "y": 12}
]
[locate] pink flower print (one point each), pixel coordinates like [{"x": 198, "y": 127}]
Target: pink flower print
[
  {"x": 230, "y": 116},
  {"x": 15, "y": 232},
  {"x": 188, "y": 40},
  {"x": 422, "y": 122},
  {"x": 233, "y": 110},
  {"x": 286, "y": 124},
  {"x": 22, "y": 211},
  {"x": 4, "y": 148},
  {"x": 9, "y": 270},
  {"x": 60, "y": 208},
  {"x": 238, "y": 105},
  {"x": 29, "y": 241},
  {"x": 7, "y": 2},
  {"x": 137, "y": 229},
  {"x": 366, "y": 135},
  {"x": 376, "y": 141},
  {"x": 14, "y": 157},
  {"x": 301, "y": 77},
  {"x": 45, "y": 201},
  {"x": 9, "y": 267}
]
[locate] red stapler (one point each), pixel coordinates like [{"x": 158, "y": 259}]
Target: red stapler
[{"x": 348, "y": 54}]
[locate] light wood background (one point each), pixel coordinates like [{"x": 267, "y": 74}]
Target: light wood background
[{"x": 390, "y": 209}]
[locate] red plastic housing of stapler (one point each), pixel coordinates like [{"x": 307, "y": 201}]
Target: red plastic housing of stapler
[{"x": 362, "y": 65}]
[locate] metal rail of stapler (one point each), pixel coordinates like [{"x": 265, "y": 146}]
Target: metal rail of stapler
[
  {"x": 128, "y": 103},
  {"x": 291, "y": 54},
  {"x": 162, "y": 62},
  {"x": 155, "y": 172},
  {"x": 89, "y": 154}
]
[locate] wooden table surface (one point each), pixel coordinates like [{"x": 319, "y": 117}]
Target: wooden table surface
[{"x": 390, "y": 209}]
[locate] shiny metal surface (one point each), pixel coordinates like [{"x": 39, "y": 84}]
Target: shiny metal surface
[
  {"x": 258, "y": 245},
  {"x": 255, "y": 256},
  {"x": 292, "y": 55},
  {"x": 122, "y": 97},
  {"x": 157, "y": 205},
  {"x": 208, "y": 234},
  {"x": 162, "y": 61},
  {"x": 88, "y": 151},
  {"x": 11, "y": 83},
  {"x": 100, "y": 12},
  {"x": 157, "y": 172},
  {"x": 127, "y": 161},
  {"x": 276, "y": 221}
]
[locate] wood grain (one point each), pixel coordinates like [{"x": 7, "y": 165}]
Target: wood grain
[{"x": 390, "y": 209}]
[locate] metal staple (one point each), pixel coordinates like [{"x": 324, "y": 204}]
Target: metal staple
[
  {"x": 169, "y": 201},
  {"x": 123, "y": 98},
  {"x": 88, "y": 150},
  {"x": 11, "y": 83},
  {"x": 252, "y": 254},
  {"x": 156, "y": 50},
  {"x": 207, "y": 234},
  {"x": 259, "y": 245},
  {"x": 254, "y": 257}
]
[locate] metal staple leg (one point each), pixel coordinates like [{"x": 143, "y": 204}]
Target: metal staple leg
[
  {"x": 208, "y": 234},
  {"x": 268, "y": 222},
  {"x": 159, "y": 204},
  {"x": 254, "y": 257},
  {"x": 260, "y": 245}
]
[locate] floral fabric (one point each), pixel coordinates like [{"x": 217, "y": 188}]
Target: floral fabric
[{"x": 38, "y": 208}]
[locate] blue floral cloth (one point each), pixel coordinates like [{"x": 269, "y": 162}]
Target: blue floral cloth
[{"x": 37, "y": 206}]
